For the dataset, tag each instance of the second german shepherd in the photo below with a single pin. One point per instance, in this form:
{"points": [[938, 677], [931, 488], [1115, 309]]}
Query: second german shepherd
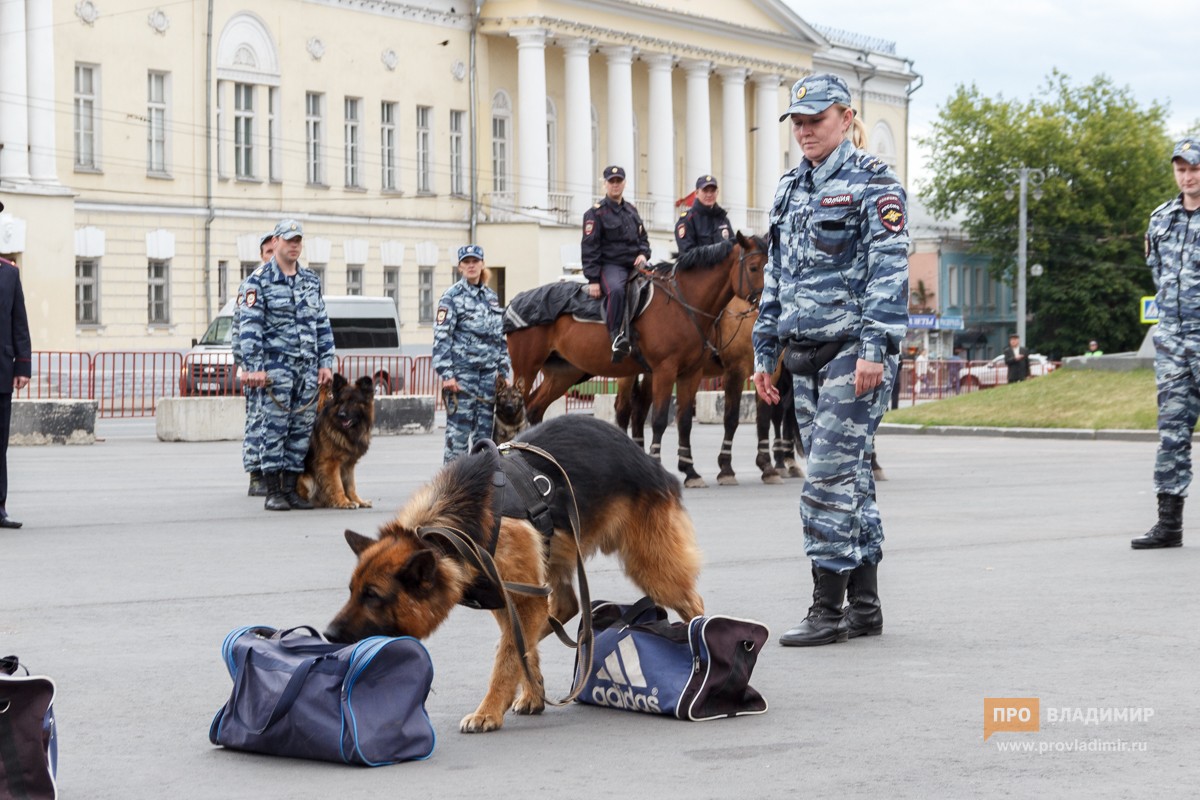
{"points": [[628, 505], [345, 414]]}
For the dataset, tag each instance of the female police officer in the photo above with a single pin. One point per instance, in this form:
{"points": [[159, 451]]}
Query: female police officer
{"points": [[468, 353], [835, 295]]}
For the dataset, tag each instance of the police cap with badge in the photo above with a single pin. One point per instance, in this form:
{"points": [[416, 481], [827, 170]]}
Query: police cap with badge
{"points": [[614, 173], [289, 229], [815, 93], [470, 251], [1188, 149]]}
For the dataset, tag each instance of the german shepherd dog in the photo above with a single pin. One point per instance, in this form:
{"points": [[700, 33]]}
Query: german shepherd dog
{"points": [[345, 414], [628, 505], [510, 410]]}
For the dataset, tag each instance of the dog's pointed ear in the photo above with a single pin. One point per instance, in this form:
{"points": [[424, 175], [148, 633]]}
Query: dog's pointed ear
{"points": [[358, 543], [419, 572], [366, 384], [500, 382], [339, 380], [519, 383]]}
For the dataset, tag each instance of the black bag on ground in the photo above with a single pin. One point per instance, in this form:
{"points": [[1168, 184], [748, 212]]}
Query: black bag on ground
{"points": [[28, 737]]}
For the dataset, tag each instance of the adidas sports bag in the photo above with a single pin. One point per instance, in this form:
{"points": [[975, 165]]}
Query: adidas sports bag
{"points": [[28, 736], [697, 670]]}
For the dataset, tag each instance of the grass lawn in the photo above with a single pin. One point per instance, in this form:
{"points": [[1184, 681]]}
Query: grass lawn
{"points": [[1066, 398]]}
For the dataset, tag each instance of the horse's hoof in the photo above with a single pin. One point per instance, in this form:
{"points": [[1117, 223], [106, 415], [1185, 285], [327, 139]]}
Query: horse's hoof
{"points": [[795, 472], [772, 480], [727, 480], [695, 483]]}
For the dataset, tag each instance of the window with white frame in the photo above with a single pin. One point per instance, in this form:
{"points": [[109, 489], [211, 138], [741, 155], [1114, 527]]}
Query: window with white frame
{"points": [[391, 285], [222, 167], [354, 280], [314, 134], [501, 117], [156, 122], [87, 291], [87, 92], [243, 130], [320, 270], [249, 267], [387, 146], [425, 294], [274, 142], [424, 123], [457, 182], [353, 153], [158, 292]]}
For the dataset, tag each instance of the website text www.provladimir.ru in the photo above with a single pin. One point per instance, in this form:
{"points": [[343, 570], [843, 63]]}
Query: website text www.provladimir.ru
{"points": [[1072, 746]]}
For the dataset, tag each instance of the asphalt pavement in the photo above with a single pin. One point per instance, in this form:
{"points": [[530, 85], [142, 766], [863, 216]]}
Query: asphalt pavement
{"points": [[1008, 574]]}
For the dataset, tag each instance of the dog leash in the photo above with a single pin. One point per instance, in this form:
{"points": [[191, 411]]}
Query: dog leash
{"points": [[451, 400], [286, 409]]}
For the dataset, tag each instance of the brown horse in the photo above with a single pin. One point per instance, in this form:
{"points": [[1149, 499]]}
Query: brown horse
{"points": [[673, 339]]}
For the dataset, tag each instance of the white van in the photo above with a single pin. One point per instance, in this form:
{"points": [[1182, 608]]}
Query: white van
{"points": [[366, 333]]}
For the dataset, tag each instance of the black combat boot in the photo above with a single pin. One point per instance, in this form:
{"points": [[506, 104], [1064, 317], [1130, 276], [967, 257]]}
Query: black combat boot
{"points": [[289, 490], [823, 625], [276, 498], [1168, 531], [257, 487], [620, 348], [863, 615]]}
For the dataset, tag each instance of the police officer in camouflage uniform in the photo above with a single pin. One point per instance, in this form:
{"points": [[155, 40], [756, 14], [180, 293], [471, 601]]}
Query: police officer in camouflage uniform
{"points": [[705, 222], [836, 283], [287, 351], [1173, 255], [252, 434], [469, 351], [614, 244]]}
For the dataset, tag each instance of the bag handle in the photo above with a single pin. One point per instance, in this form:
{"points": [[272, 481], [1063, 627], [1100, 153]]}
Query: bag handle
{"points": [[286, 699], [644, 606], [10, 664]]}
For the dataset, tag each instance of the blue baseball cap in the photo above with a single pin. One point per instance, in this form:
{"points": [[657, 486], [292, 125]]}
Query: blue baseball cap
{"points": [[470, 251], [289, 229], [612, 173], [266, 238], [705, 180], [814, 94], [1188, 149]]}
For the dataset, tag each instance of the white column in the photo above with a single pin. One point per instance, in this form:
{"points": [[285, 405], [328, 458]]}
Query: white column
{"points": [[620, 112], [662, 140], [733, 178], [768, 151], [40, 60], [14, 116], [578, 112], [699, 134], [532, 192]]}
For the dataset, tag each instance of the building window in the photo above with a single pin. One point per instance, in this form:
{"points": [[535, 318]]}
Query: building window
{"points": [[391, 285], [222, 168], [158, 292], [457, 183], [354, 280], [952, 287], [87, 92], [353, 155], [87, 291], [424, 183], [425, 294], [243, 130], [249, 267], [387, 151], [222, 283], [156, 122], [501, 117], [274, 144], [320, 270], [314, 137]]}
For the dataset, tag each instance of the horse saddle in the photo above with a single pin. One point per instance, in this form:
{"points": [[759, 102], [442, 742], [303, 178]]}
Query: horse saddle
{"points": [[639, 291]]}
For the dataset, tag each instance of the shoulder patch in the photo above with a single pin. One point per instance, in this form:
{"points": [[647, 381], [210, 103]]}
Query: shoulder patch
{"points": [[441, 315], [588, 227], [891, 212], [681, 231], [251, 298]]}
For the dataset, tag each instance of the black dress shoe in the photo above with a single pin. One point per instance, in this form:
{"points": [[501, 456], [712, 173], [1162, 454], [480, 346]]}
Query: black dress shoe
{"points": [[9, 522]]}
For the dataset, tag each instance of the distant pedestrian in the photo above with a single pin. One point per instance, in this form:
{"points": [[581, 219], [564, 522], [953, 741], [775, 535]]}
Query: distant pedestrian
{"points": [[1093, 349], [16, 365], [704, 222], [252, 433], [1016, 358], [1173, 255]]}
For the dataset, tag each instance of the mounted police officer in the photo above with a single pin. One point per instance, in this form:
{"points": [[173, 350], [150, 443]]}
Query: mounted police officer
{"points": [[287, 350], [705, 222], [1173, 255], [614, 244], [469, 351], [252, 433], [835, 293]]}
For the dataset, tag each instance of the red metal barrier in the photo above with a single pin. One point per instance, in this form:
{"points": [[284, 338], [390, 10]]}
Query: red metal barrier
{"points": [[128, 384], [58, 376], [390, 373]]}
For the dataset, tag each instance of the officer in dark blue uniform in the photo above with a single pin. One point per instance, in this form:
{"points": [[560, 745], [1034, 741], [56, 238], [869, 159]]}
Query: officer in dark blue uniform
{"points": [[16, 364], [614, 244], [705, 222]]}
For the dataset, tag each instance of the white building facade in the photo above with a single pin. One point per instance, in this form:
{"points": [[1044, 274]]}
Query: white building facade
{"points": [[139, 166]]}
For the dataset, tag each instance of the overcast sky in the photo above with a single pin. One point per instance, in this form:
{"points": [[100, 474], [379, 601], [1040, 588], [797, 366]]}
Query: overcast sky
{"points": [[1009, 48]]}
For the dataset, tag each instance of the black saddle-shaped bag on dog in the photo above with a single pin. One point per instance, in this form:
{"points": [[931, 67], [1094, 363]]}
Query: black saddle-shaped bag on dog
{"points": [[697, 670], [295, 694]]}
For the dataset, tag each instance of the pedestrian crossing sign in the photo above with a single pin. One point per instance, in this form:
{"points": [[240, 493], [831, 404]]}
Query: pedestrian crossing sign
{"points": [[1149, 311]]}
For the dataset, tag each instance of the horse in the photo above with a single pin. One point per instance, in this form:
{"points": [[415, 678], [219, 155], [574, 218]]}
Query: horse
{"points": [[672, 334]]}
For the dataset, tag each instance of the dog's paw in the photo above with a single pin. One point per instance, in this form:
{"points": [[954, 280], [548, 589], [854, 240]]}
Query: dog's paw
{"points": [[480, 723], [527, 704], [344, 502], [363, 503]]}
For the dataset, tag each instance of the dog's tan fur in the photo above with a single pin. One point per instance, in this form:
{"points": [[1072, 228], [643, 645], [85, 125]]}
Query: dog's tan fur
{"points": [[510, 417], [342, 435]]}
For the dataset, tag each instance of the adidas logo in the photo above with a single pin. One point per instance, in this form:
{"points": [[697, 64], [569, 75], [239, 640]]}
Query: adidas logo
{"points": [[623, 668]]}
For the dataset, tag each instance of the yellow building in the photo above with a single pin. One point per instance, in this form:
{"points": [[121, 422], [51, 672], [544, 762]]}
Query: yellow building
{"points": [[144, 151]]}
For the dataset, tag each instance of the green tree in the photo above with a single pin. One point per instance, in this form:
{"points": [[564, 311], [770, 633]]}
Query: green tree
{"points": [[1105, 159]]}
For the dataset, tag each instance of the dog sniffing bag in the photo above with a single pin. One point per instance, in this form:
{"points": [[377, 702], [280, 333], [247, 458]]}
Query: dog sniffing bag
{"points": [[28, 737], [697, 670], [295, 694]]}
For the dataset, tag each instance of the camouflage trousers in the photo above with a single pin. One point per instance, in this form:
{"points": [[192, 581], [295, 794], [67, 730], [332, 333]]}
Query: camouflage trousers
{"points": [[252, 435], [841, 522], [285, 428], [1177, 373], [469, 413]]}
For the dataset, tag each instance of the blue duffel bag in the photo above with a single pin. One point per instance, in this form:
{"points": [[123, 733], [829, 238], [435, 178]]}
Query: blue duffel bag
{"points": [[295, 694]]}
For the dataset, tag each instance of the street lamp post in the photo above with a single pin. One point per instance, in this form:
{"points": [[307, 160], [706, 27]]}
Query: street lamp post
{"points": [[1023, 178]]}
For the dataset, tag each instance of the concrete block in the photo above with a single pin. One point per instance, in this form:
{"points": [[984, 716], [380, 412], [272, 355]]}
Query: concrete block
{"points": [[397, 414], [200, 419], [53, 422]]}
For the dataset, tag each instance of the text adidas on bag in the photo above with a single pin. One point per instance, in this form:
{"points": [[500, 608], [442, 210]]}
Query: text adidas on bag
{"points": [[623, 667]]}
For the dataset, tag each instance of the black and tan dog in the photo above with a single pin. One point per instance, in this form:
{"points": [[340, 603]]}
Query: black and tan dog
{"points": [[629, 505], [510, 417], [345, 414]]}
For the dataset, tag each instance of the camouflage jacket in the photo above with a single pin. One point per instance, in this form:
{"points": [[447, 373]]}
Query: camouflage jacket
{"points": [[468, 334], [1173, 255], [838, 258], [701, 225], [281, 317], [613, 233]]}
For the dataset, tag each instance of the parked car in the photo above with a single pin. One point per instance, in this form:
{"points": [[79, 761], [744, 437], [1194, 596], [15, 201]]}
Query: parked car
{"points": [[995, 372]]}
